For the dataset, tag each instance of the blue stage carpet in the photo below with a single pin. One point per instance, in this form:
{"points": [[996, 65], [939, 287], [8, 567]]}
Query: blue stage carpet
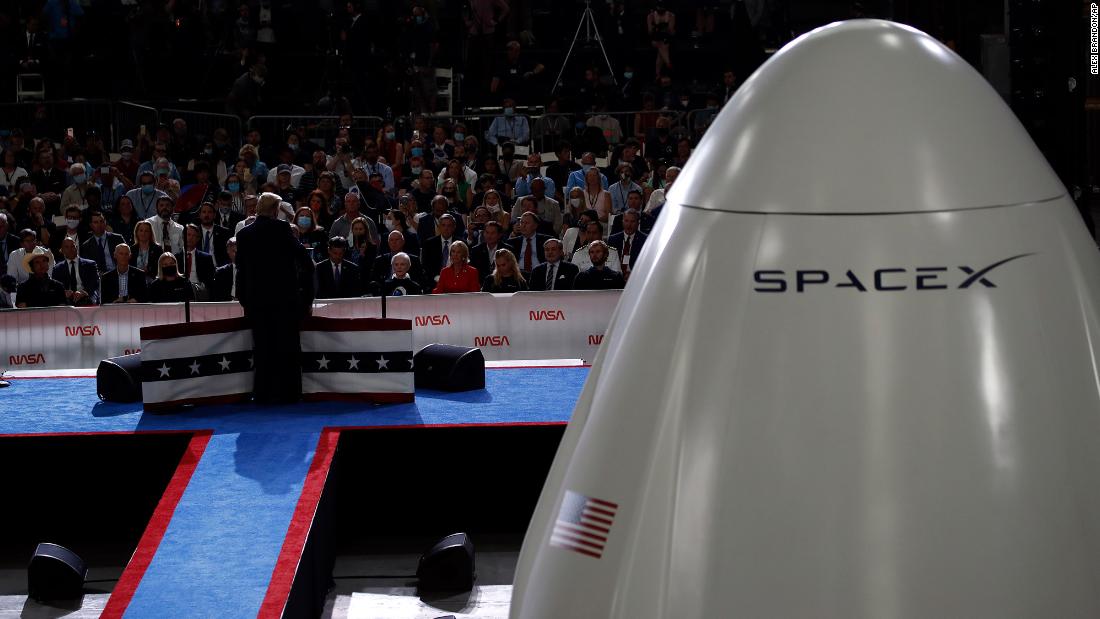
{"points": [[222, 543]]}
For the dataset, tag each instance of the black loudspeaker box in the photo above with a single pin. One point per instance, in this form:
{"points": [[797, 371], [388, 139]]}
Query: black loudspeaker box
{"points": [[448, 566], [118, 379], [449, 368], [55, 573]]}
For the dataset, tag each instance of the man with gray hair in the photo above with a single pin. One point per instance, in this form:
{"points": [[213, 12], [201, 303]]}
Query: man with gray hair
{"points": [[74, 194], [275, 288]]}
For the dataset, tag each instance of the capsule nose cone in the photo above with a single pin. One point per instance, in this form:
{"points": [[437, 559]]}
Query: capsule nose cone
{"points": [[865, 116]]}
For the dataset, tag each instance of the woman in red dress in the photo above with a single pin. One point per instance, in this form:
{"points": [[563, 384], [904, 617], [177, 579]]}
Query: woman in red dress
{"points": [[459, 276]]}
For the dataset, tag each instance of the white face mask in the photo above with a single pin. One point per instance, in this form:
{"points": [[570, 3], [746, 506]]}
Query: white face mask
{"points": [[574, 202], [390, 225]]}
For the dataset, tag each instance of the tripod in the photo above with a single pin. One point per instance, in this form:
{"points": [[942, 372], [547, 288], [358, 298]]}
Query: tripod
{"points": [[591, 33]]}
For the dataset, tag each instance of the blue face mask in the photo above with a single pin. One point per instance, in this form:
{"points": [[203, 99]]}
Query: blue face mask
{"points": [[234, 187], [417, 151], [79, 178], [585, 167], [305, 222], [460, 136], [390, 135], [148, 189], [508, 111], [420, 19], [628, 74]]}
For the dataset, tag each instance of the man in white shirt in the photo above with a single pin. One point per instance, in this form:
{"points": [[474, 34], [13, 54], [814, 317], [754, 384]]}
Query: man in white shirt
{"points": [[29, 241], [594, 232], [74, 194], [371, 165], [657, 198], [166, 232]]}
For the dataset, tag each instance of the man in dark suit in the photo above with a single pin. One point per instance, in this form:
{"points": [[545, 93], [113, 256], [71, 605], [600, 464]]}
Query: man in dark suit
{"points": [[528, 246], [483, 254], [599, 276], [628, 242], [124, 283], [555, 273], [194, 265], [32, 48], [78, 275], [8, 243], [383, 268], [275, 288], [338, 278], [226, 216], [212, 237], [100, 246], [225, 278], [435, 252], [426, 227]]}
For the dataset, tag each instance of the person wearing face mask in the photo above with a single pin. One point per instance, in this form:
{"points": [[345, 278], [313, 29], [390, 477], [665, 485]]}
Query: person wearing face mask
{"points": [[74, 193], [391, 149], [577, 177], [621, 189], [127, 164], [660, 144], [409, 173], [145, 195], [75, 228], [607, 124], [509, 126]]}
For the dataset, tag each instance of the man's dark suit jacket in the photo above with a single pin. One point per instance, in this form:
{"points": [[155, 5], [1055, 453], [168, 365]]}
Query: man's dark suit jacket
{"points": [[566, 273], [135, 281], [351, 284], [426, 228], [14, 243], [204, 264], [381, 271], [483, 260], [431, 256], [516, 244], [89, 276], [230, 222], [91, 250], [617, 240], [275, 288], [217, 249], [223, 283]]}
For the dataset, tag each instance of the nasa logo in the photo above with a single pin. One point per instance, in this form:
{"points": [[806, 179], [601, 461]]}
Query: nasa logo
{"points": [[434, 320], [32, 359], [545, 315], [491, 340], [131, 351], [82, 331], [595, 340], [883, 280]]}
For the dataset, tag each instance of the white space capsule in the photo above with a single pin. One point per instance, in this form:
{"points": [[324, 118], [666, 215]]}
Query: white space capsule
{"points": [[853, 374]]}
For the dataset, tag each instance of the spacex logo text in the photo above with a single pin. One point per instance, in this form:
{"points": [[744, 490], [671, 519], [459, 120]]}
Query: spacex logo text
{"points": [[546, 315], [883, 280], [435, 320]]}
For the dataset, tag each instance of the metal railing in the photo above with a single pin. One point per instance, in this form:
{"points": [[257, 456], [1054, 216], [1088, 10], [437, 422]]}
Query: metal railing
{"points": [[205, 123]]}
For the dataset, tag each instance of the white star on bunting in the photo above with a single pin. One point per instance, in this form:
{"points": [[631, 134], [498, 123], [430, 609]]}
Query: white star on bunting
{"points": [[322, 363], [353, 363], [194, 367], [383, 363], [163, 369], [225, 364]]}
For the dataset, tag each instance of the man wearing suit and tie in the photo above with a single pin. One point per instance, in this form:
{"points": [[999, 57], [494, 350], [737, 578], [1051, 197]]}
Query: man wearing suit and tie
{"points": [[212, 236], [338, 278], [426, 226], [435, 253], [555, 273], [100, 246], [528, 246], [166, 232], [225, 278], [195, 265], [482, 255], [628, 242], [124, 283], [78, 275]]}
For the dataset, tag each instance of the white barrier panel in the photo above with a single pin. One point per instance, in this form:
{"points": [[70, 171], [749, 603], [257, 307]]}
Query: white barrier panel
{"points": [[525, 325]]}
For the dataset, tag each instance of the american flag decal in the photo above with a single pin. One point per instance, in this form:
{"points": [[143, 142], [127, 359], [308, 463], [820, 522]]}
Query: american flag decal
{"points": [[583, 524]]}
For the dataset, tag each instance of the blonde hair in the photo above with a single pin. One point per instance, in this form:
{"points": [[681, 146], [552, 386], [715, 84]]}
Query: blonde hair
{"points": [[506, 253], [465, 249], [152, 237], [160, 264]]}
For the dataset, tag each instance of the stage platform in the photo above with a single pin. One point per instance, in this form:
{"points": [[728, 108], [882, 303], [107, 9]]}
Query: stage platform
{"points": [[227, 534]]}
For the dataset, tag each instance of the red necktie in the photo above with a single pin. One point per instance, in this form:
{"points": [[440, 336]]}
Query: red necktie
{"points": [[527, 255], [187, 274]]}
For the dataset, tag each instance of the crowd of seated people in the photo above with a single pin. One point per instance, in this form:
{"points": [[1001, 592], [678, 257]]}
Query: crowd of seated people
{"points": [[156, 222]]}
